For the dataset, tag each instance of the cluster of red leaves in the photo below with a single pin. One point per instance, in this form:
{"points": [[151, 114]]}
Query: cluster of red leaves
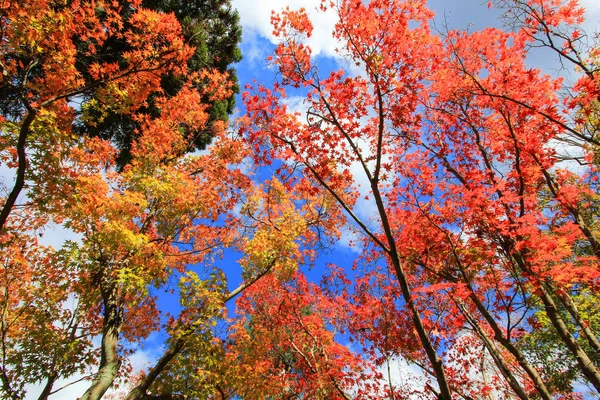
{"points": [[477, 223]]}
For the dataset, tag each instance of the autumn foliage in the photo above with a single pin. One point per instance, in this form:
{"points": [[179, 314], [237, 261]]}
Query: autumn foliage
{"points": [[468, 180], [482, 238], [81, 309]]}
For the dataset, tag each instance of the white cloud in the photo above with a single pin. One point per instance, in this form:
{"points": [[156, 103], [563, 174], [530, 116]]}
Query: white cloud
{"points": [[592, 13], [350, 240], [296, 104], [255, 17]]}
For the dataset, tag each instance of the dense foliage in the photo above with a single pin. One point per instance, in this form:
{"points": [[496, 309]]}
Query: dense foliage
{"points": [[443, 154], [480, 252], [211, 28]]}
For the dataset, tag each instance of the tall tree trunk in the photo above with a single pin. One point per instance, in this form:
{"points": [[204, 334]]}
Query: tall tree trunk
{"points": [[139, 392], [567, 301], [21, 168], [588, 368], [565, 298], [109, 361], [48, 387], [499, 336], [533, 374]]}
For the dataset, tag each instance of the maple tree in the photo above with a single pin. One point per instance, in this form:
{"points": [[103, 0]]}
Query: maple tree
{"points": [[212, 29], [81, 309], [287, 346], [481, 230], [478, 254]]}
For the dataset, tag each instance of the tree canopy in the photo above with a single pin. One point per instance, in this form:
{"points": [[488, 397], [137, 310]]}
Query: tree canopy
{"points": [[441, 152]]}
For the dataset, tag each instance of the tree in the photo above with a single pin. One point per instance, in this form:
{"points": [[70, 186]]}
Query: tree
{"points": [[277, 238], [40, 74], [480, 247], [158, 223], [286, 348], [478, 224], [210, 28]]}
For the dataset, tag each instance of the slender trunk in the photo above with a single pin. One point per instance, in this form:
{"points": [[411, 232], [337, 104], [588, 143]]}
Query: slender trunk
{"points": [[109, 360], [389, 376], [588, 368], [5, 382], [48, 387], [21, 168], [498, 334], [434, 359], [6, 387], [533, 374], [504, 341], [587, 232], [566, 300]]}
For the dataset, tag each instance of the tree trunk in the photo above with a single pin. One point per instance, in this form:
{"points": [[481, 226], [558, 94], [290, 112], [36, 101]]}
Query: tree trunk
{"points": [[139, 392], [497, 357], [109, 361], [21, 168], [48, 387], [588, 368], [533, 374]]}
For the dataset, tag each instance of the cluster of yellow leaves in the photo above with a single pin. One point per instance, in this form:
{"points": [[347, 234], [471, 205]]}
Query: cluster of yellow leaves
{"points": [[277, 228]]}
